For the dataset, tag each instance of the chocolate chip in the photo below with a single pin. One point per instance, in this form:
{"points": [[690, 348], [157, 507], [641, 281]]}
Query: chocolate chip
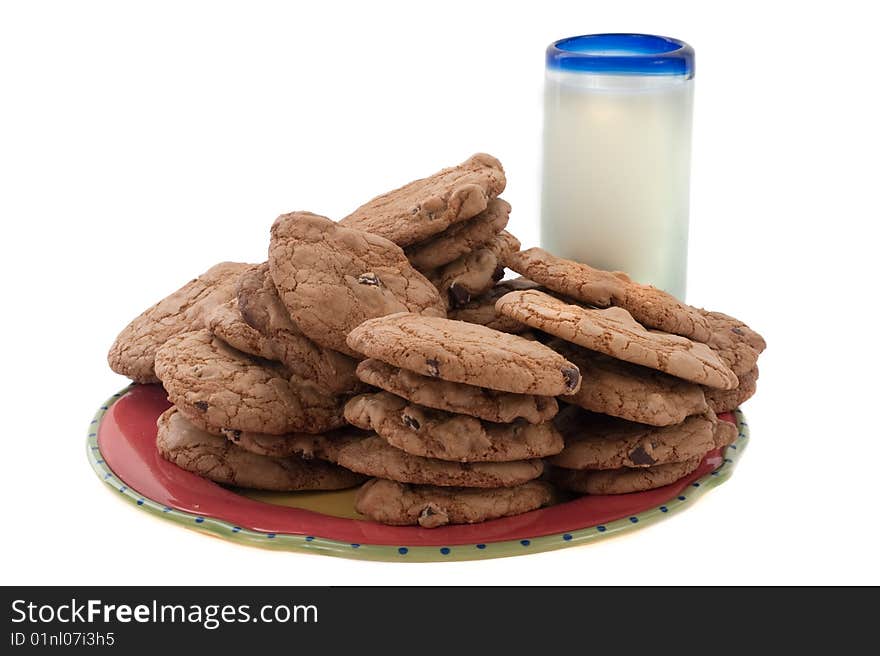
{"points": [[236, 435], [369, 279], [458, 295], [738, 331], [572, 377], [498, 273], [639, 456], [410, 422], [433, 367], [201, 405], [432, 516]]}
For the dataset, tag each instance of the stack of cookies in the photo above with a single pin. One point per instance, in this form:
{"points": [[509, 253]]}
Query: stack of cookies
{"points": [[254, 357], [250, 397], [646, 412], [451, 226], [462, 421], [387, 345]]}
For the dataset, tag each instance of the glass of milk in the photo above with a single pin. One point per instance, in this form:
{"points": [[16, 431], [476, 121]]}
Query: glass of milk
{"points": [[616, 160]]}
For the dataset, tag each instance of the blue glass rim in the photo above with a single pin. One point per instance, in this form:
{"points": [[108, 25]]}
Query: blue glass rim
{"points": [[622, 54]]}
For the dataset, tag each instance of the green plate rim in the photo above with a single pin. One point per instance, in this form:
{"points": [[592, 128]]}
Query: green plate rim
{"points": [[403, 553]]}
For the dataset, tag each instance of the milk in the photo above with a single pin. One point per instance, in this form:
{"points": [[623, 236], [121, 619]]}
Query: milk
{"points": [[616, 171]]}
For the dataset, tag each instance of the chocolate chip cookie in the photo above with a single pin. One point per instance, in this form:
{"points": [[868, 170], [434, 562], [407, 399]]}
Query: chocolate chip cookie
{"points": [[261, 309], [323, 446], [736, 344], [727, 400], [428, 206], [134, 350], [725, 433], [614, 332], [217, 387], [373, 456], [217, 459], [476, 272], [331, 278], [460, 238], [225, 323], [429, 506], [259, 304], [618, 388], [466, 353], [482, 310], [594, 441], [490, 405], [431, 433], [621, 481], [648, 305]]}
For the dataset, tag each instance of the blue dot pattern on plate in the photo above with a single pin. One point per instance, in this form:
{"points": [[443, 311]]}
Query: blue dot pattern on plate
{"points": [[600, 528], [664, 509], [682, 498], [270, 535], [525, 543], [634, 520], [567, 537], [403, 551], [199, 520], [481, 546], [445, 550], [310, 538]]}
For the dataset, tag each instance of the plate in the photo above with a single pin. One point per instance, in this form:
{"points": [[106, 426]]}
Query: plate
{"points": [[121, 448]]}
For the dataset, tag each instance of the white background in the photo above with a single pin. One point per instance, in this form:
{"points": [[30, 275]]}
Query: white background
{"points": [[140, 143]]}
